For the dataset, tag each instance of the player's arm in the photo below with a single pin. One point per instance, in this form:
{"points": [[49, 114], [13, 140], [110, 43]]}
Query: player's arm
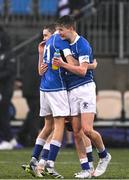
{"points": [[67, 56], [93, 65], [41, 66], [71, 60], [83, 61], [79, 70]]}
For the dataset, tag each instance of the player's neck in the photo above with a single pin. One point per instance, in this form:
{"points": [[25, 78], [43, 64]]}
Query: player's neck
{"points": [[73, 36]]}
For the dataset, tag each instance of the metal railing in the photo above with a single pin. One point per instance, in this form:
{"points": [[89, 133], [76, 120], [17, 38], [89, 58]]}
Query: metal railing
{"points": [[108, 29]]}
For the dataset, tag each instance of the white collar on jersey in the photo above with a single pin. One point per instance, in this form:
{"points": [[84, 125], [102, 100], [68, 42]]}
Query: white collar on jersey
{"points": [[76, 39], [56, 32]]}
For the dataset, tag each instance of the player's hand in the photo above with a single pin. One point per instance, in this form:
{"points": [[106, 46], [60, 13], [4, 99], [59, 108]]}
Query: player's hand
{"points": [[58, 62], [41, 46], [95, 63], [43, 68]]}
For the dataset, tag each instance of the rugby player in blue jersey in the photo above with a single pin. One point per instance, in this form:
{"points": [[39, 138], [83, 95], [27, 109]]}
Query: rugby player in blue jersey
{"points": [[48, 117], [81, 89], [53, 94]]}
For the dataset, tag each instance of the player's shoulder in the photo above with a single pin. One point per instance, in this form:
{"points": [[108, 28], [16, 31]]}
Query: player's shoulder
{"points": [[56, 36], [83, 45], [83, 40]]}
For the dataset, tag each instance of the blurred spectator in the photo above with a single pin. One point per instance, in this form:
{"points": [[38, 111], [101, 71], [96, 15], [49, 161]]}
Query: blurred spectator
{"points": [[63, 8], [66, 7], [7, 77], [30, 85]]}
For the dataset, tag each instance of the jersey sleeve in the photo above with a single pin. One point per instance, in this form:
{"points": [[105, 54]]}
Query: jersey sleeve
{"points": [[84, 51]]}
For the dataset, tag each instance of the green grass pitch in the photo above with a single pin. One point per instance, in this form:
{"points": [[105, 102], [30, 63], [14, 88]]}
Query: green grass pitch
{"points": [[67, 164]]}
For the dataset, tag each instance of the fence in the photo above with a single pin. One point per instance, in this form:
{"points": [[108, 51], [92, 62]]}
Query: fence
{"points": [[106, 26], [107, 29]]}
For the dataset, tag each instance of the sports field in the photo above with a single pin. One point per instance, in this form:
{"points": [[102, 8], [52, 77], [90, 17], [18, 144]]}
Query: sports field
{"points": [[67, 164]]}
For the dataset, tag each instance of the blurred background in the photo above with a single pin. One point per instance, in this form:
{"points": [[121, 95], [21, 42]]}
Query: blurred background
{"points": [[104, 23]]}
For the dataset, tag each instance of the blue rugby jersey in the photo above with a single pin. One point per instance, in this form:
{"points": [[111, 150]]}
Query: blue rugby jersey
{"points": [[54, 80], [82, 51]]}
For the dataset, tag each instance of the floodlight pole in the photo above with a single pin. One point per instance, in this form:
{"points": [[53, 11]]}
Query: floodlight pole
{"points": [[121, 59]]}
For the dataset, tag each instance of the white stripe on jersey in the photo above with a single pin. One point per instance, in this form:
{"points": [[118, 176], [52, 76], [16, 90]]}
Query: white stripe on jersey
{"points": [[67, 52], [84, 58]]}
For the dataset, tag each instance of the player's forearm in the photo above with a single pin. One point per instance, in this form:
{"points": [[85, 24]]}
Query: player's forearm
{"points": [[40, 62], [91, 66], [79, 70], [71, 60]]}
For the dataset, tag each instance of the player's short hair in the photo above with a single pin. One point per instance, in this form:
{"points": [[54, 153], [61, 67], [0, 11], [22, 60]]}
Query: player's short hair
{"points": [[50, 27], [66, 21]]}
